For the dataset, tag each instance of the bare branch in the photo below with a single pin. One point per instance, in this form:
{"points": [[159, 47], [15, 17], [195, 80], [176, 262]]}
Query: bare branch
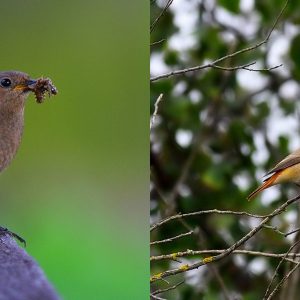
{"points": [[229, 250], [246, 67], [278, 266], [211, 65], [155, 110], [291, 232], [158, 42], [275, 229], [183, 176], [160, 291], [174, 256], [202, 212], [285, 278], [160, 15], [263, 69], [156, 297], [172, 238]]}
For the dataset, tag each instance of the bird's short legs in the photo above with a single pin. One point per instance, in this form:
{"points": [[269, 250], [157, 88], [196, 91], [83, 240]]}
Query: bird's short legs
{"points": [[4, 230]]}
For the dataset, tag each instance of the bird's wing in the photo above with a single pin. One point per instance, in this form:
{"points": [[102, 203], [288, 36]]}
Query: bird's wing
{"points": [[289, 161]]}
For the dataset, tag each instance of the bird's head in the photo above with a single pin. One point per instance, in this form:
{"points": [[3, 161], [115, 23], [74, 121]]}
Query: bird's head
{"points": [[14, 88]]}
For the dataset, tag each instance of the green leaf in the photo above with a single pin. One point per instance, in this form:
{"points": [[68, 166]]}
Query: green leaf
{"points": [[231, 5], [213, 178]]}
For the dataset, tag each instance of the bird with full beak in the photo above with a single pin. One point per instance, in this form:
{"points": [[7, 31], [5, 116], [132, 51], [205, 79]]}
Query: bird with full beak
{"points": [[287, 170], [15, 87]]}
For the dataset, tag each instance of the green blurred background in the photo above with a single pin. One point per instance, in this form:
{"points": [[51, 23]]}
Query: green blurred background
{"points": [[77, 188]]}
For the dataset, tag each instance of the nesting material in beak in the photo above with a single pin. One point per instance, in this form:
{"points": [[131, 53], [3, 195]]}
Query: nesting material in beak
{"points": [[41, 87]]}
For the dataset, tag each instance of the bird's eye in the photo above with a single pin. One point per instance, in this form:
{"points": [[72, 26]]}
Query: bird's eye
{"points": [[5, 82]]}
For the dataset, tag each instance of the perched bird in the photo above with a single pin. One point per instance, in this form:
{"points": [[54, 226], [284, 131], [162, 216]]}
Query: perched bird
{"points": [[287, 170], [14, 89], [13, 93]]}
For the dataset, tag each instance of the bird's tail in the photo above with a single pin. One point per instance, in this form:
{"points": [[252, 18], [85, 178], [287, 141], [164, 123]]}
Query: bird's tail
{"points": [[269, 182]]}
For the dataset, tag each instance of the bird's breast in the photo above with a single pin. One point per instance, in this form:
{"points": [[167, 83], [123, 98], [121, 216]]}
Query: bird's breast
{"points": [[11, 128], [290, 174]]}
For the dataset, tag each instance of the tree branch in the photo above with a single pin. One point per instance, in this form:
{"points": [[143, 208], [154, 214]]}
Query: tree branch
{"points": [[278, 266], [172, 238], [174, 256], [155, 110], [160, 291], [160, 15], [20, 276], [202, 212], [214, 63], [285, 278], [229, 250], [157, 42]]}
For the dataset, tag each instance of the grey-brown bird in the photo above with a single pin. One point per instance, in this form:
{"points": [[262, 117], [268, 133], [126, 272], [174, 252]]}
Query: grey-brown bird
{"points": [[287, 170], [14, 89]]}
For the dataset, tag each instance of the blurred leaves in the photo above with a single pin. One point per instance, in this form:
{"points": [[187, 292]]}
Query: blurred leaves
{"points": [[230, 5], [294, 54]]}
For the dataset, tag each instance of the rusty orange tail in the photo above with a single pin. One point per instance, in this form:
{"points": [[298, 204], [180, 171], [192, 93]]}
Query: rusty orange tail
{"points": [[269, 182]]}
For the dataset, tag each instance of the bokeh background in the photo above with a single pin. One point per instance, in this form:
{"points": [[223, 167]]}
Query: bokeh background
{"points": [[218, 132], [77, 189]]}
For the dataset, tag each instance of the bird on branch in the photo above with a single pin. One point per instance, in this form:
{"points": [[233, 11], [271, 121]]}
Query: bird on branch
{"points": [[15, 87], [287, 170]]}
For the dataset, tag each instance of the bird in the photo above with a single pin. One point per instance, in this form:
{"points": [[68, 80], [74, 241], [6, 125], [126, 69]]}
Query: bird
{"points": [[287, 170], [15, 87], [14, 90]]}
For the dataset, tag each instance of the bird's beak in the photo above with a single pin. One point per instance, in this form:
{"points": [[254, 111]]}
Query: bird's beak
{"points": [[31, 82], [25, 87]]}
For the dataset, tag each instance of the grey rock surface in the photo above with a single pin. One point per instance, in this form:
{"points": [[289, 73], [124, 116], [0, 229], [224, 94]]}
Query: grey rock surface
{"points": [[21, 278]]}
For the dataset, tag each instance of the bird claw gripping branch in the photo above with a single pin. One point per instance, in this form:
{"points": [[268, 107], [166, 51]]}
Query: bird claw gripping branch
{"points": [[4, 230], [42, 87]]}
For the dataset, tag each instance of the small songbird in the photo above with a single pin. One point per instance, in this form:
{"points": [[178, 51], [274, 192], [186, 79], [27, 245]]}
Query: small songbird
{"points": [[287, 170], [14, 89]]}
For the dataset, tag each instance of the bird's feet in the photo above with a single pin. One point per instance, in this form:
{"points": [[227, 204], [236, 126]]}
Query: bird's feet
{"points": [[4, 230]]}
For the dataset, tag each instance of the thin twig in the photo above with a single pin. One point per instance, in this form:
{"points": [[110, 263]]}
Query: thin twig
{"points": [[211, 65], [156, 297], [285, 278], [160, 291], [291, 232], [183, 174], [155, 110], [289, 289], [245, 67], [174, 256], [275, 229], [278, 266], [228, 251], [263, 69], [158, 42], [172, 238], [202, 212], [160, 15]]}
